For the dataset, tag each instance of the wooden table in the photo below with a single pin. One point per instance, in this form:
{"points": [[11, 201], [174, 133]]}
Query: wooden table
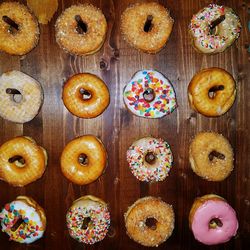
{"points": [[54, 127]]}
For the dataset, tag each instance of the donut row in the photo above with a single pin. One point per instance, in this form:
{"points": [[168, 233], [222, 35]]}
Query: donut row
{"points": [[84, 159], [81, 29], [148, 94], [149, 221]]}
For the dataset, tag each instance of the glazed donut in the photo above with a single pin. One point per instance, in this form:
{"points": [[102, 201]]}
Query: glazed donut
{"points": [[211, 156], [83, 159], [214, 28], [212, 220], [21, 97], [23, 220], [22, 161], [146, 26], [88, 219], [149, 221], [212, 92], [149, 94], [81, 29], [19, 30], [85, 95], [150, 159]]}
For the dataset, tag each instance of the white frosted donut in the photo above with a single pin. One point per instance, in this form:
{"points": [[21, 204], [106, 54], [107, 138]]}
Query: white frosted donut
{"points": [[21, 97], [88, 219], [149, 94], [214, 28], [23, 220], [150, 159]]}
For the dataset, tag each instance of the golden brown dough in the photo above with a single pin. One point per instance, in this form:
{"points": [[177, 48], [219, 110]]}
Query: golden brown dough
{"points": [[23, 36], [22, 161], [83, 159], [212, 92], [81, 29], [211, 156], [85, 95], [146, 26]]}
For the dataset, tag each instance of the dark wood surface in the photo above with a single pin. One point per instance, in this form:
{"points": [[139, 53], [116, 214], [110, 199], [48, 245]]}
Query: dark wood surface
{"points": [[55, 126]]}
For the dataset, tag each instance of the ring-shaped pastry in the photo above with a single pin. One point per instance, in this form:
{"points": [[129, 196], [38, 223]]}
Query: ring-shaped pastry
{"points": [[83, 159]]}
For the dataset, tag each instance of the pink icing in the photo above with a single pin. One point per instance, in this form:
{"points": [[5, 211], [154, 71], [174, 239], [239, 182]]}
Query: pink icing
{"points": [[211, 210]]}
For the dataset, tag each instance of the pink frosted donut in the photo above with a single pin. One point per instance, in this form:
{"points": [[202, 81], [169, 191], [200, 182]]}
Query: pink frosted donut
{"points": [[212, 220]]}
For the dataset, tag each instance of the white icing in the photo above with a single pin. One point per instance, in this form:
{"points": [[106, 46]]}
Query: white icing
{"points": [[28, 212], [144, 171], [164, 102]]}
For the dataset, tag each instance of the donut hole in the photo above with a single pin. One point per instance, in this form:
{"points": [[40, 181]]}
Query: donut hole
{"points": [[83, 159], [214, 25], [86, 223], [214, 31], [150, 158], [85, 94], [148, 24], [151, 223], [215, 154], [13, 26], [81, 27], [214, 223], [17, 224], [212, 92], [15, 94], [18, 160], [149, 95]]}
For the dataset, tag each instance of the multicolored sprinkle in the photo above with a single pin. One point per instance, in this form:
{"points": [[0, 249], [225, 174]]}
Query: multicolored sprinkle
{"points": [[29, 231], [136, 159], [229, 28], [164, 102], [97, 227]]}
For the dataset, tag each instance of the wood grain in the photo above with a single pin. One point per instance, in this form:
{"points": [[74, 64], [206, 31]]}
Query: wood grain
{"points": [[55, 126]]}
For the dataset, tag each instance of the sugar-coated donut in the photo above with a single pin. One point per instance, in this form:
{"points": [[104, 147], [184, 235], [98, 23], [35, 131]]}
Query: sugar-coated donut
{"points": [[149, 221], [85, 95], [214, 28], [212, 220], [146, 26], [149, 94], [150, 159], [19, 30], [212, 92], [21, 97], [22, 161], [23, 220], [81, 29], [83, 159], [211, 156], [88, 219]]}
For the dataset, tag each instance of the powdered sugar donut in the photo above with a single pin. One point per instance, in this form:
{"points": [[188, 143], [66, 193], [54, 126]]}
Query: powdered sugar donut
{"points": [[88, 219], [149, 94], [214, 28], [21, 96], [150, 159]]}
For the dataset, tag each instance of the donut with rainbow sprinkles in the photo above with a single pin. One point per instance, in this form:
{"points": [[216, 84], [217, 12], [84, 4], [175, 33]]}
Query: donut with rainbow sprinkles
{"points": [[214, 28]]}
